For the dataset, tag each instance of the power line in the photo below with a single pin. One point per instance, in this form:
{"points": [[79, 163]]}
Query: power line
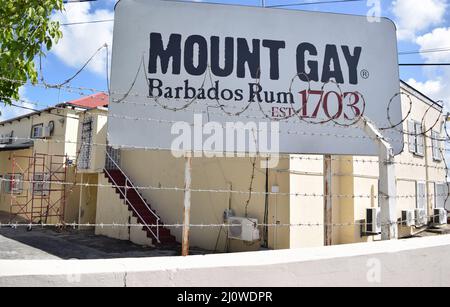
{"points": [[424, 64], [86, 22], [267, 6], [443, 49], [77, 1], [312, 3]]}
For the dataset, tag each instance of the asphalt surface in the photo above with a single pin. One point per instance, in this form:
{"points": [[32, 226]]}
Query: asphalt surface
{"points": [[69, 243]]}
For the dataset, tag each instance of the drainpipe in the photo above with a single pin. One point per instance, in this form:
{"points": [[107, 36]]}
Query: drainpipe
{"points": [[427, 176], [327, 199], [80, 201]]}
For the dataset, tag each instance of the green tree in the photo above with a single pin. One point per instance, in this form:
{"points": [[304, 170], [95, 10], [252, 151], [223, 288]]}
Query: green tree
{"points": [[26, 32]]}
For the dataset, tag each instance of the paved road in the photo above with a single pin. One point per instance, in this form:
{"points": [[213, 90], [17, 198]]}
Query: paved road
{"points": [[69, 244]]}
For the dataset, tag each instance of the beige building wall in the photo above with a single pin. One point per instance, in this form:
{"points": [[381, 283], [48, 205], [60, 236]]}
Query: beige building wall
{"points": [[112, 210], [80, 204]]}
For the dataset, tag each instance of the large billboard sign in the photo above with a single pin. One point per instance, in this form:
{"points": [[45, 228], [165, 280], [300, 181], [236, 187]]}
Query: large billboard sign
{"points": [[303, 78]]}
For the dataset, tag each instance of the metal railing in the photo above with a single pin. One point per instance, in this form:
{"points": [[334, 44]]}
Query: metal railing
{"points": [[129, 185]]}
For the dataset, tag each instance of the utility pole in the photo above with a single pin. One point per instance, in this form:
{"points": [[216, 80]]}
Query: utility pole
{"points": [[263, 3], [327, 201], [187, 204]]}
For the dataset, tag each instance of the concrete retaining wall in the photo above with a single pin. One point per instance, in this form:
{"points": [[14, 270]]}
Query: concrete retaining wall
{"points": [[413, 262]]}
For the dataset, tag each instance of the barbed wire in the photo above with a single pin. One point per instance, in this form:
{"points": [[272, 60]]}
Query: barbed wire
{"points": [[287, 132], [295, 117], [221, 106], [216, 225], [224, 126], [220, 191], [224, 154]]}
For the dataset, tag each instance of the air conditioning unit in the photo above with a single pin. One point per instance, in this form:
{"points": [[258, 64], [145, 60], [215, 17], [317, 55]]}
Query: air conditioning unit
{"points": [[373, 220], [440, 217], [408, 218], [243, 229], [421, 217], [46, 132]]}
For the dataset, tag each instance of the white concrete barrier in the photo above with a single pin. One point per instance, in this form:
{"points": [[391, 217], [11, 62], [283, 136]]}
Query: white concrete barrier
{"points": [[413, 262]]}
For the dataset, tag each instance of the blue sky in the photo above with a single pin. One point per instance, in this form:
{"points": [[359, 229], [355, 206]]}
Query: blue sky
{"points": [[422, 25]]}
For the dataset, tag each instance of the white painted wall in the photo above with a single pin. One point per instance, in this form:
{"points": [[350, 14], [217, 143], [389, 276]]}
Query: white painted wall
{"points": [[413, 262]]}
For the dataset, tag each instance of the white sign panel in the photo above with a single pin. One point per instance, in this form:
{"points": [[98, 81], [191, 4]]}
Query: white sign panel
{"points": [[301, 77]]}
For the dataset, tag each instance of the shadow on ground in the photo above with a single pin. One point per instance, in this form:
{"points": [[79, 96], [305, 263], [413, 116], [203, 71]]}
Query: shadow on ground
{"points": [[69, 243]]}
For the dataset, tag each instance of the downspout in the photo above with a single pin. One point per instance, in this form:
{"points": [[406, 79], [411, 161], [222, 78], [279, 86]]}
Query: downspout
{"points": [[266, 209], [81, 199], [427, 176]]}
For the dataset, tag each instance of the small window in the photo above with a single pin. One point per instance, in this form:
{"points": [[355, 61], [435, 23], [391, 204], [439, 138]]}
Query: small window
{"points": [[421, 197], [436, 145], [416, 139], [13, 183], [41, 184], [37, 131], [440, 195]]}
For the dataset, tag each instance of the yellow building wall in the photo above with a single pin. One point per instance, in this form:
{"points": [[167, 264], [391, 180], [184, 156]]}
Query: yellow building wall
{"points": [[64, 141], [99, 132], [306, 210], [409, 169], [82, 199], [298, 208], [161, 169], [111, 210]]}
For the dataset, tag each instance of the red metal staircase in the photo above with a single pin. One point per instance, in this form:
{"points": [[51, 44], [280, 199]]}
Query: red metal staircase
{"points": [[138, 205]]}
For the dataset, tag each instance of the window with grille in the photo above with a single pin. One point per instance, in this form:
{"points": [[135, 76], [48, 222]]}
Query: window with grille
{"points": [[436, 146], [86, 144], [41, 184], [416, 139], [13, 183]]}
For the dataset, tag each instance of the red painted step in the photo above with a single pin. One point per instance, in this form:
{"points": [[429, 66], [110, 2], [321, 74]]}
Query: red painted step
{"points": [[140, 208]]}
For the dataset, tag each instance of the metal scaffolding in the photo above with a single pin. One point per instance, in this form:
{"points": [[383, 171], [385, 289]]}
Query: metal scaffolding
{"points": [[36, 188]]}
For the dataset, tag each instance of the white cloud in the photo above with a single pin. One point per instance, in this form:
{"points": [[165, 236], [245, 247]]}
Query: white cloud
{"points": [[81, 41], [437, 39], [8, 112], [437, 87], [414, 16]]}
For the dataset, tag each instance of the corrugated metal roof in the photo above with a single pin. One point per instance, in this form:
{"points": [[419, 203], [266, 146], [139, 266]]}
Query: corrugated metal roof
{"points": [[91, 102], [16, 146]]}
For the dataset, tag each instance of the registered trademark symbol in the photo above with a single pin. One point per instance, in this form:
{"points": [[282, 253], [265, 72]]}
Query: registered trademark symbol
{"points": [[365, 74]]}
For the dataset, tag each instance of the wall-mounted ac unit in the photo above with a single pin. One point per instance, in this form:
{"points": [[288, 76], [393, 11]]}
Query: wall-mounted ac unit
{"points": [[421, 217], [244, 229], [47, 132], [7, 138], [440, 216], [373, 221], [408, 218]]}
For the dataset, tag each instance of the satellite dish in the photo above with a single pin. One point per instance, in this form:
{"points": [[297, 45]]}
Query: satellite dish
{"points": [[51, 127]]}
